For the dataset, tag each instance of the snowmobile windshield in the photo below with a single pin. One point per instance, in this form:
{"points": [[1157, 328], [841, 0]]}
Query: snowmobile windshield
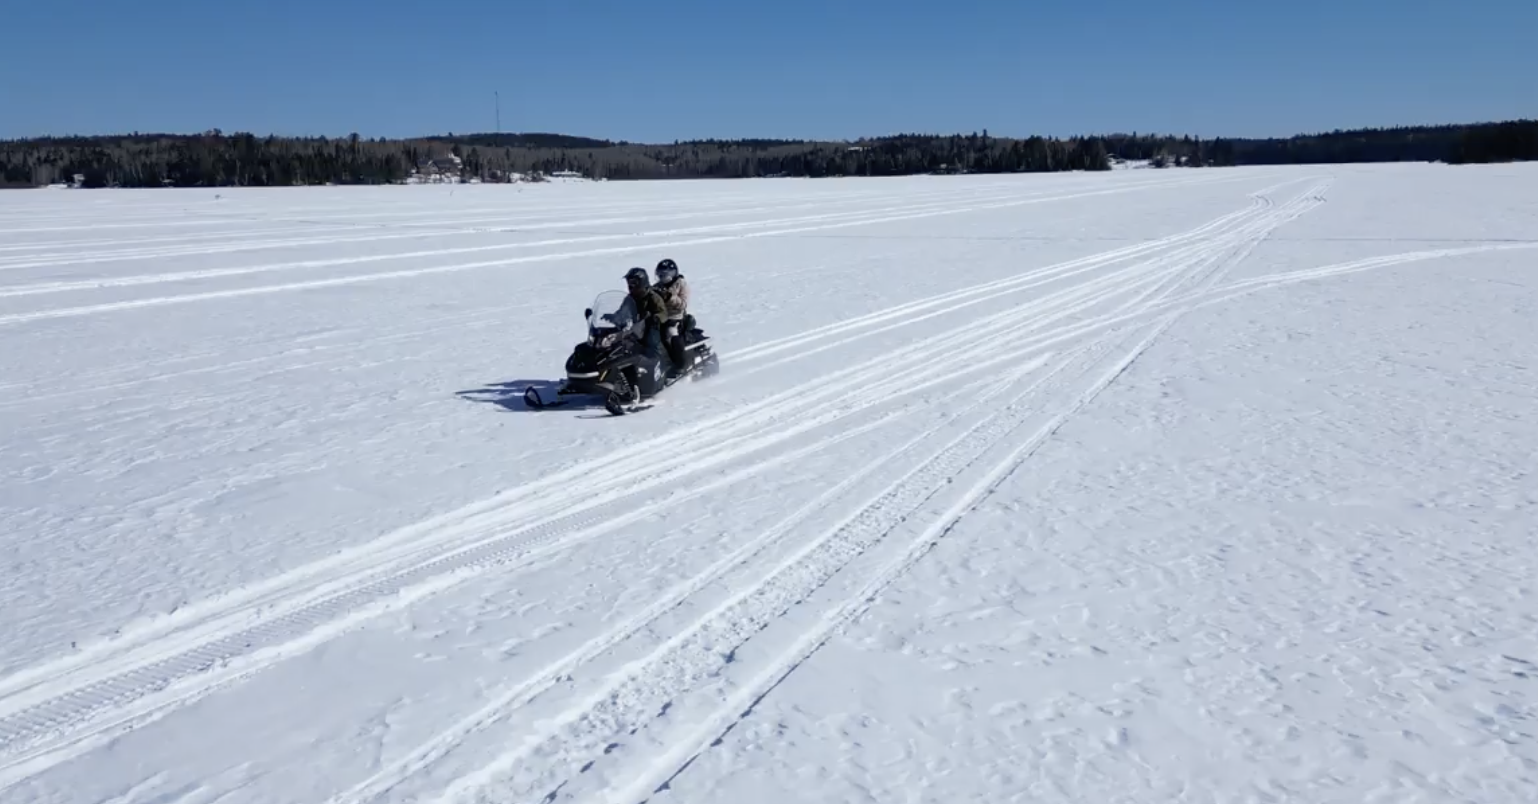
{"points": [[612, 309]]}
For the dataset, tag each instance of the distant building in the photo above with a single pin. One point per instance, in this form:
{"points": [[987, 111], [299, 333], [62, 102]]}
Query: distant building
{"points": [[439, 169]]}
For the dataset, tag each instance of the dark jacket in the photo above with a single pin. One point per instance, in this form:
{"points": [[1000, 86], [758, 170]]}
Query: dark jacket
{"points": [[651, 308]]}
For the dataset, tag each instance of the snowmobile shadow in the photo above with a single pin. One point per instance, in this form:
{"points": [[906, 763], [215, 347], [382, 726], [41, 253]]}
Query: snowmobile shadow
{"points": [[509, 395]]}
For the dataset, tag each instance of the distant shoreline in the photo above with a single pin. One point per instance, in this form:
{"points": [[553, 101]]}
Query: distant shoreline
{"points": [[216, 159]]}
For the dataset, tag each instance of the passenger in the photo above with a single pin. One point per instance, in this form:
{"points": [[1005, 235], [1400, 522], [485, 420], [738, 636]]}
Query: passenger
{"points": [[675, 292]]}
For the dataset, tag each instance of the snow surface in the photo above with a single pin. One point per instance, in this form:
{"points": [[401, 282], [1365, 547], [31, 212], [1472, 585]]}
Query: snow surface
{"points": [[1155, 486]]}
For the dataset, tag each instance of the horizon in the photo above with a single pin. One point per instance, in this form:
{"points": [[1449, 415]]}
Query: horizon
{"points": [[803, 70], [789, 141]]}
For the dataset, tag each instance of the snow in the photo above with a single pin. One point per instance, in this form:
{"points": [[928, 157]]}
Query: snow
{"points": [[1199, 485]]}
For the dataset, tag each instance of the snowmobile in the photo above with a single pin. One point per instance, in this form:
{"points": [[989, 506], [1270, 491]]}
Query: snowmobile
{"points": [[597, 366]]}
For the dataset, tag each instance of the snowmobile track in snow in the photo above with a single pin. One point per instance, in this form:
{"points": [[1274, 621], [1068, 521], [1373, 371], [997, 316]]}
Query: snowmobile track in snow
{"points": [[350, 233], [594, 732], [526, 690], [598, 729], [52, 712], [121, 256], [659, 772], [45, 721], [812, 224]]}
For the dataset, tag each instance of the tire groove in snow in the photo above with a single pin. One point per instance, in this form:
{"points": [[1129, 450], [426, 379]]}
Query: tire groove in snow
{"points": [[42, 713], [596, 728], [703, 433], [371, 215], [76, 720], [590, 732], [311, 622], [150, 279], [107, 307], [510, 699], [661, 771], [709, 431], [740, 705], [445, 229], [211, 663], [1200, 240], [178, 661], [345, 217], [819, 336]]}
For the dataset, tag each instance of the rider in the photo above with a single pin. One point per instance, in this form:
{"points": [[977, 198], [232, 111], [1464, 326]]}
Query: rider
{"points": [[652, 313], [675, 292]]}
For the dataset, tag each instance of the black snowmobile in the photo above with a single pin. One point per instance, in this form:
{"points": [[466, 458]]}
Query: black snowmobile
{"points": [[598, 366]]}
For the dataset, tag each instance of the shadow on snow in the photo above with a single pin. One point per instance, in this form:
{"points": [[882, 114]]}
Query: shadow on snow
{"points": [[509, 396]]}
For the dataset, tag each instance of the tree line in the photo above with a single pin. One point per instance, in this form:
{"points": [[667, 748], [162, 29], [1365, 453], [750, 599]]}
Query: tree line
{"points": [[243, 159]]}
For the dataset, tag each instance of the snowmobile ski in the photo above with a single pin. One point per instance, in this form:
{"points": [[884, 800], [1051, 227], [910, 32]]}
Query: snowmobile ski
{"points": [[623, 410], [533, 401]]}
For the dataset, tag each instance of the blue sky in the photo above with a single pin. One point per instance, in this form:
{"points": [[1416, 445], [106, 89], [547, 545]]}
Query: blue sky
{"points": [[663, 70]]}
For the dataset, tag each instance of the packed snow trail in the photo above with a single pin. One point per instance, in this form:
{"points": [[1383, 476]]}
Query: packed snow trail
{"points": [[669, 240], [660, 580], [324, 607], [654, 688]]}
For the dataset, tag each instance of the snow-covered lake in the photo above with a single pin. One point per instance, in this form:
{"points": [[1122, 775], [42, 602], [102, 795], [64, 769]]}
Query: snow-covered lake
{"points": [[1154, 486]]}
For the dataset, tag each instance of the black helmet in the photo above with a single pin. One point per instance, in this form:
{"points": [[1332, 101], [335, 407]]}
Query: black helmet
{"points": [[667, 270], [637, 276]]}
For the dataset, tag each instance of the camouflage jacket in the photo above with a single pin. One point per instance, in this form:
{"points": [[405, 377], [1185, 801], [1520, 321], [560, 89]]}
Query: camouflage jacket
{"points": [[650, 309]]}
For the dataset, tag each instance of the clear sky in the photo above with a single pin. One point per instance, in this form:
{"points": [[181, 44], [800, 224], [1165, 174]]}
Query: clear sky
{"points": [[680, 69]]}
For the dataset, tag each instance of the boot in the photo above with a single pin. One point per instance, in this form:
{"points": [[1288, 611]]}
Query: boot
{"points": [[632, 384]]}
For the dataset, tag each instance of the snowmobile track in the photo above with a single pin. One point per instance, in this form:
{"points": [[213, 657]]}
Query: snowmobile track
{"points": [[815, 223], [659, 772], [45, 722], [587, 734], [1199, 240], [182, 276], [595, 732], [419, 231], [516, 696], [51, 712]]}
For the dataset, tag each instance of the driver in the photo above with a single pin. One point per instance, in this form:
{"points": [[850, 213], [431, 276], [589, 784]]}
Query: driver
{"points": [[651, 314], [650, 309]]}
